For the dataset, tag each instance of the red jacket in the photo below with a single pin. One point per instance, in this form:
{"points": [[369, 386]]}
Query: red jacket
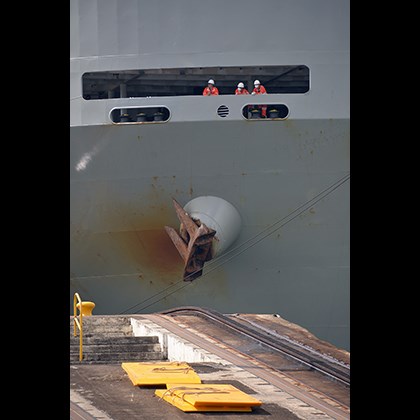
{"points": [[260, 91], [213, 91], [241, 92]]}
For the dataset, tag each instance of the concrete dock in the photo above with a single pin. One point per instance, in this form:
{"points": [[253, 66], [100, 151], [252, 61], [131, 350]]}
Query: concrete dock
{"points": [[293, 373]]}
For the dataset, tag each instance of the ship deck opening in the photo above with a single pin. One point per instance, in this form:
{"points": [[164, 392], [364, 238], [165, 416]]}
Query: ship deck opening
{"points": [[151, 114], [192, 80]]}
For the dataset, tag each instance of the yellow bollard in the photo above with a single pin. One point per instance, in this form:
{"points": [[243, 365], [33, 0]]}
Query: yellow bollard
{"points": [[87, 308]]}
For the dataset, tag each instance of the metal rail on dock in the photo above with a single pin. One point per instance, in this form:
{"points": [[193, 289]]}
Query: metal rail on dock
{"points": [[312, 360]]}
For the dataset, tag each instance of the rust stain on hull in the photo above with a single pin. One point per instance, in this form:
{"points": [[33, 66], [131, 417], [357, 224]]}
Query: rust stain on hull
{"points": [[137, 241], [151, 252], [156, 251]]}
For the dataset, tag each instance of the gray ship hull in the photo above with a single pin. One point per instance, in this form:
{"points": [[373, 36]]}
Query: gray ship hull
{"points": [[121, 256]]}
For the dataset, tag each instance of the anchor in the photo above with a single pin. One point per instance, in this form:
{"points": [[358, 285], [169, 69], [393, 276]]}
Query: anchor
{"points": [[193, 242]]}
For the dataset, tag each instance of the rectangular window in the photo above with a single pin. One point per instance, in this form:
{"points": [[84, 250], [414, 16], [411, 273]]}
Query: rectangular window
{"points": [[193, 80]]}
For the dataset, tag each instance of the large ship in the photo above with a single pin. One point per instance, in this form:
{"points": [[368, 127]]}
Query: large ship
{"points": [[146, 147]]}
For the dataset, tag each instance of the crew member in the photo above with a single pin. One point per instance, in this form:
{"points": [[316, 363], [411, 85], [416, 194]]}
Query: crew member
{"points": [[259, 89], [240, 90], [210, 89]]}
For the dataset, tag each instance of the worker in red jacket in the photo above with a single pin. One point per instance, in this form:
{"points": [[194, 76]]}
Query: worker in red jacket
{"points": [[259, 89], [240, 90], [210, 89]]}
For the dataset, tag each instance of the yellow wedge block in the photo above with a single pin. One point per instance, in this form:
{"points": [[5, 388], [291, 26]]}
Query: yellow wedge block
{"points": [[161, 373], [207, 397]]}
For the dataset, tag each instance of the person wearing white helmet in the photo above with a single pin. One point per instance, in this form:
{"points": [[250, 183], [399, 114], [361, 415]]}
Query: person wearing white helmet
{"points": [[240, 90], [210, 89], [259, 89]]}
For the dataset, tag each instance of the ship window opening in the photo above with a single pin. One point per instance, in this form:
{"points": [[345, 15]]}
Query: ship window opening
{"points": [[140, 115], [265, 112], [192, 80]]}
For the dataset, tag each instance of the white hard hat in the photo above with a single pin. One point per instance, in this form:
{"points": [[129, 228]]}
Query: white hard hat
{"points": [[257, 82], [211, 81], [241, 85]]}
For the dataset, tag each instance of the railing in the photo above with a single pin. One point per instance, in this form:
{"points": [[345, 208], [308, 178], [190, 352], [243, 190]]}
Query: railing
{"points": [[78, 324]]}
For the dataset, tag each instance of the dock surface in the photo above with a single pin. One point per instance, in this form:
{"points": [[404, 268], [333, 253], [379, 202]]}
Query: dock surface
{"points": [[293, 373]]}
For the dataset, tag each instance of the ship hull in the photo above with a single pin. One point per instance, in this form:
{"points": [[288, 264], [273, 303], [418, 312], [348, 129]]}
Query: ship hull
{"points": [[123, 179]]}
